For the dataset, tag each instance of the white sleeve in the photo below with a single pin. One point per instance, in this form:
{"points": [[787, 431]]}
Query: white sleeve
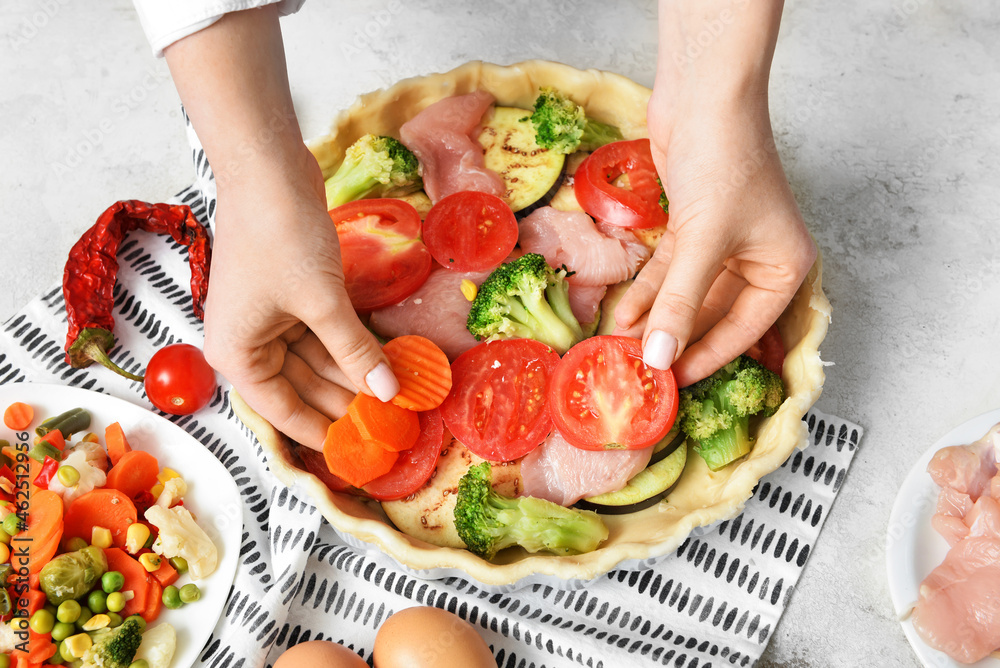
{"points": [[166, 21]]}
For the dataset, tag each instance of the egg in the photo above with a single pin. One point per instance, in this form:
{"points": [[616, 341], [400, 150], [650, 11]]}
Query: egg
{"points": [[425, 637], [319, 654]]}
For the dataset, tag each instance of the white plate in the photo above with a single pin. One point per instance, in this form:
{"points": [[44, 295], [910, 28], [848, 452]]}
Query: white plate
{"points": [[212, 495], [914, 549]]}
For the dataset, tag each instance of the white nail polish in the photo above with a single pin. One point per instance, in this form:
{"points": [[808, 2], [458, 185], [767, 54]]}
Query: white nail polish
{"points": [[659, 350], [382, 382]]}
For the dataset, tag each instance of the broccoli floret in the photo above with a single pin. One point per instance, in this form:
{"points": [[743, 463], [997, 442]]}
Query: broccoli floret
{"points": [[716, 411], [373, 167], [487, 522], [562, 125], [525, 299], [114, 648]]}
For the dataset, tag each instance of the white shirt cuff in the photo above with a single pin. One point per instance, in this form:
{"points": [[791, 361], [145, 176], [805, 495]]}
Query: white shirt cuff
{"points": [[166, 21]]}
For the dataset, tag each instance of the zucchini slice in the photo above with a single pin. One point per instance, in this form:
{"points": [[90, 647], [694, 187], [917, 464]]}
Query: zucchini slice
{"points": [[509, 149]]}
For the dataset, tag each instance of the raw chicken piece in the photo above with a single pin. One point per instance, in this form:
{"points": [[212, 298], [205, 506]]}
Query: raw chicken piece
{"points": [[441, 136], [586, 302], [572, 238], [564, 474], [949, 520], [983, 519], [967, 468], [437, 310], [958, 612], [952, 529]]}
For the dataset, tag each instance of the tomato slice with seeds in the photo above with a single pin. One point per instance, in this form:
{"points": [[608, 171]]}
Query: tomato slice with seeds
{"points": [[470, 231], [635, 207], [384, 259], [603, 397], [497, 406]]}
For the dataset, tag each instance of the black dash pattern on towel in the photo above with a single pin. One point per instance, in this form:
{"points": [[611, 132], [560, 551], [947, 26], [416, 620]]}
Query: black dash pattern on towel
{"points": [[715, 602]]}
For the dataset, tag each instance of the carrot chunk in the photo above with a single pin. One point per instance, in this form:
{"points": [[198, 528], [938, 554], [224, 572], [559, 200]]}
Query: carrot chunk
{"points": [[18, 416], [108, 508], [44, 530], [134, 472], [114, 438], [137, 580], [350, 457], [423, 372], [393, 428]]}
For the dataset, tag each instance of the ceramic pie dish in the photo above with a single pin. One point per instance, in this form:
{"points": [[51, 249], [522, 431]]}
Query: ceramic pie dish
{"points": [[701, 497]]}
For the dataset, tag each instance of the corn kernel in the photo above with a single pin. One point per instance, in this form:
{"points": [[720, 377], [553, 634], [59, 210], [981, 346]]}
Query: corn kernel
{"points": [[79, 644], [136, 537], [128, 595], [150, 561], [19, 624], [91, 437], [469, 289], [96, 622], [4, 553], [101, 537], [166, 474], [157, 490]]}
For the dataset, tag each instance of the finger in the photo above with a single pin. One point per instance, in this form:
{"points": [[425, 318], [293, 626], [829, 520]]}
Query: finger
{"points": [[752, 313], [353, 347], [328, 398], [318, 358], [635, 330], [641, 295], [690, 276], [718, 302]]}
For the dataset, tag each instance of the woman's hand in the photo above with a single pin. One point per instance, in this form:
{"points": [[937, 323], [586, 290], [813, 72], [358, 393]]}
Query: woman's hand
{"points": [[736, 249]]}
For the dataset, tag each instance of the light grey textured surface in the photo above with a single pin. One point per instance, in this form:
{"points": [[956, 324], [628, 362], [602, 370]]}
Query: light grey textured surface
{"points": [[887, 121]]}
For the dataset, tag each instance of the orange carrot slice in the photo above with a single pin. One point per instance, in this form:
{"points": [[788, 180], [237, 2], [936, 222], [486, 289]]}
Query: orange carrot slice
{"points": [[18, 416], [393, 428], [134, 472], [137, 580], [423, 372], [114, 438], [166, 574], [44, 529], [351, 457], [108, 508], [154, 601]]}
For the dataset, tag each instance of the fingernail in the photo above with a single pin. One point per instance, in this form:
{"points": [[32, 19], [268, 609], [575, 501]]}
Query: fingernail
{"points": [[659, 350], [382, 383]]}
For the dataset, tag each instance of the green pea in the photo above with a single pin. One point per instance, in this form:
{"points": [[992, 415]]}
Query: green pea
{"points": [[112, 581], [116, 619], [42, 622], [62, 630], [4, 537], [68, 475], [51, 608], [68, 612], [172, 597], [139, 663], [12, 525], [190, 593], [65, 652], [4, 660], [97, 601], [180, 565], [56, 659], [142, 622], [75, 544], [85, 614], [115, 601]]}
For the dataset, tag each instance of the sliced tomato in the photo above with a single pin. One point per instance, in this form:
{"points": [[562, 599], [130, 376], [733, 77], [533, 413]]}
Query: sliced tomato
{"points": [[769, 350], [603, 397], [497, 407], [638, 205], [414, 466], [384, 259], [470, 231]]}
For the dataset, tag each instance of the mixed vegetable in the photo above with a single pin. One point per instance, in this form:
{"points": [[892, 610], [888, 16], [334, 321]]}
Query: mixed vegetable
{"points": [[536, 371], [92, 546]]}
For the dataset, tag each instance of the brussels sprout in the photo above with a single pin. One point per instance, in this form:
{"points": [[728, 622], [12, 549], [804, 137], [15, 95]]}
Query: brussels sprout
{"points": [[71, 575]]}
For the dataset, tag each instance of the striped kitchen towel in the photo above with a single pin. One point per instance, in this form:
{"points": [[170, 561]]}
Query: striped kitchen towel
{"points": [[715, 602]]}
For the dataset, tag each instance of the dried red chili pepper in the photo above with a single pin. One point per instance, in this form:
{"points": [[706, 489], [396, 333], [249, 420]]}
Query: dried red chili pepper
{"points": [[91, 270]]}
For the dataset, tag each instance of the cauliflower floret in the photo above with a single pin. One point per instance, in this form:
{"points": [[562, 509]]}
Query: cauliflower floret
{"points": [[158, 645], [173, 490], [96, 455], [180, 536], [91, 477], [8, 639]]}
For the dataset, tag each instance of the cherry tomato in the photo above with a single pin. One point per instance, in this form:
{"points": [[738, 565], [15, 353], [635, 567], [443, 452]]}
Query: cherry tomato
{"points": [[769, 350], [178, 379], [637, 206], [384, 259], [496, 407], [414, 466], [602, 396], [470, 231]]}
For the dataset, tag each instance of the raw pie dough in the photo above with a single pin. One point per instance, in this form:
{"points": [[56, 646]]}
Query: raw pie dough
{"points": [[701, 497]]}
